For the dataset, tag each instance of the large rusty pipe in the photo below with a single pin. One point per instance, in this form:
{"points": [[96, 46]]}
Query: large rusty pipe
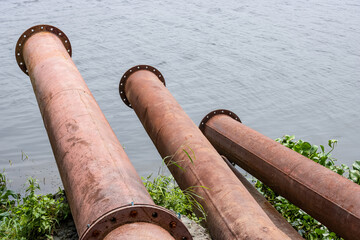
{"points": [[232, 213], [273, 214], [328, 197], [106, 196]]}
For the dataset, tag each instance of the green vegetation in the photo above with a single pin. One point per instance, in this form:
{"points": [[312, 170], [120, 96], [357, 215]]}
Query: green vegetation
{"points": [[36, 216], [165, 192], [307, 226], [32, 216]]}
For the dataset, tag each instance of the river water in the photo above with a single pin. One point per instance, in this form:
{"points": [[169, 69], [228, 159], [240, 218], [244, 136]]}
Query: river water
{"points": [[285, 67]]}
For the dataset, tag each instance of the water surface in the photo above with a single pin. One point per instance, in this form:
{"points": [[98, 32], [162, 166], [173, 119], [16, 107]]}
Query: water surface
{"points": [[285, 67]]}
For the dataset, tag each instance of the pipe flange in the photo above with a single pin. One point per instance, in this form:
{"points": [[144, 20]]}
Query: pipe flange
{"points": [[137, 213], [131, 71], [33, 30], [217, 112]]}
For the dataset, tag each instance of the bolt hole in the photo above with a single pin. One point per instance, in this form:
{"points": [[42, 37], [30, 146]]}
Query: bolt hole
{"points": [[184, 238], [138, 67], [222, 111], [202, 123], [51, 29], [59, 34], [121, 92], [24, 36], [113, 219], [133, 213], [124, 99], [159, 76], [207, 116], [229, 113], [172, 224], [18, 54], [42, 27], [155, 215], [26, 70], [32, 30], [68, 50], [19, 44], [121, 84], [153, 70], [146, 67], [21, 63], [66, 41], [130, 70], [214, 112], [129, 105]]}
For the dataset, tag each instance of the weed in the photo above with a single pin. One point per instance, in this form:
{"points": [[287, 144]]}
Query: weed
{"points": [[32, 217]]}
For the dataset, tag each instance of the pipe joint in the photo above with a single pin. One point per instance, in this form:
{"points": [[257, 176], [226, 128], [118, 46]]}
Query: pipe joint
{"points": [[131, 71], [33, 30], [133, 213], [217, 112]]}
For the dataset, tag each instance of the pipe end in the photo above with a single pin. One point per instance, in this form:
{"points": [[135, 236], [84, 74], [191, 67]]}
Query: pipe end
{"points": [[137, 213], [217, 112], [131, 71], [33, 30]]}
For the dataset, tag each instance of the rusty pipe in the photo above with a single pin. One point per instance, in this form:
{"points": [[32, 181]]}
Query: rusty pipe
{"points": [[273, 214], [232, 213], [103, 189], [328, 197]]}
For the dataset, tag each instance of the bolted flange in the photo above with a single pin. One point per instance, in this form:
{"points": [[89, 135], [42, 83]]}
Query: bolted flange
{"points": [[33, 30], [217, 112], [131, 71], [137, 213]]}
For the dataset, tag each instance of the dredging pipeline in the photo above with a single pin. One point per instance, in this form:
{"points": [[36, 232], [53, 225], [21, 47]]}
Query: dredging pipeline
{"points": [[273, 214], [106, 196], [325, 195], [232, 213]]}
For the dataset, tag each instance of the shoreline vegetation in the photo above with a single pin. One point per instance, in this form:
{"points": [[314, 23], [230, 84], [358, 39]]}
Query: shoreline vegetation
{"points": [[40, 216]]}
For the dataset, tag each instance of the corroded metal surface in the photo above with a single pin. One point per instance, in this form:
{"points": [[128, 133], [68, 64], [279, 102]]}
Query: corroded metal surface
{"points": [[99, 179], [328, 197], [232, 211], [273, 214], [139, 231]]}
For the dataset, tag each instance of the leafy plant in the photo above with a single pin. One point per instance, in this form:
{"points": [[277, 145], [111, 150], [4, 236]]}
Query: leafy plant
{"points": [[165, 192], [32, 217], [307, 226]]}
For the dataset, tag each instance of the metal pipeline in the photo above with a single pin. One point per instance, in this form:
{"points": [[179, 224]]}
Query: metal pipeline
{"points": [[272, 213], [232, 213], [328, 197], [106, 196]]}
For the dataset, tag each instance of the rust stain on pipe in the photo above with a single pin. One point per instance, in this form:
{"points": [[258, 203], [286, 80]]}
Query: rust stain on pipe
{"points": [[232, 211], [102, 187], [328, 197]]}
